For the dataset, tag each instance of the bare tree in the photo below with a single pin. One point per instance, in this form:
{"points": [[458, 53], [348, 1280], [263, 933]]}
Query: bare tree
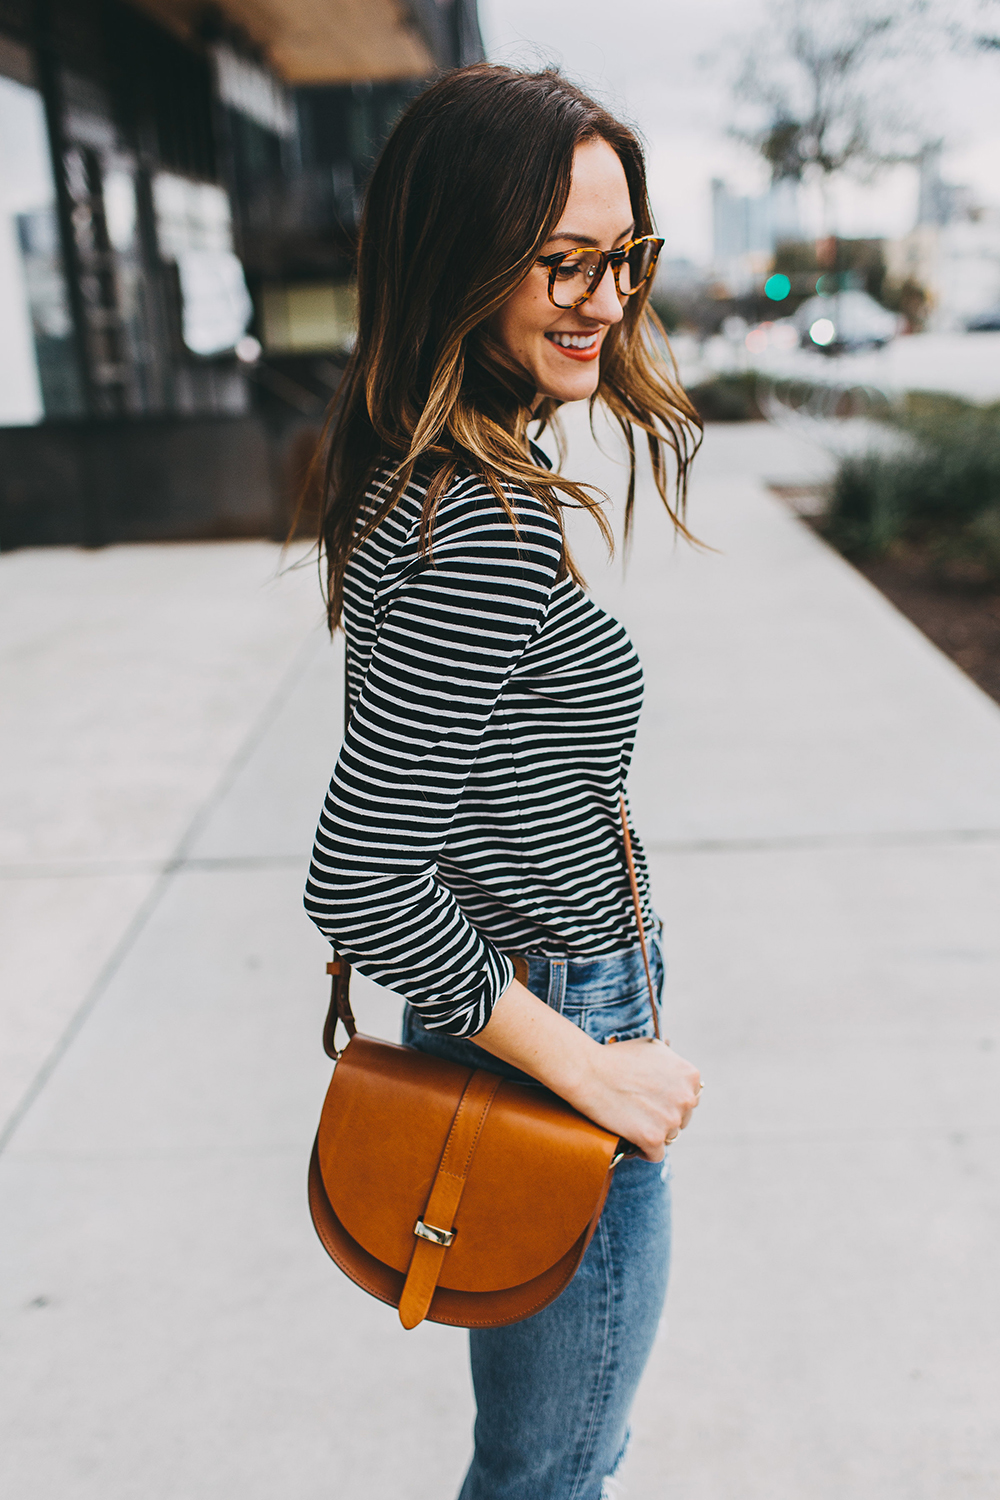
{"points": [[982, 32], [815, 88]]}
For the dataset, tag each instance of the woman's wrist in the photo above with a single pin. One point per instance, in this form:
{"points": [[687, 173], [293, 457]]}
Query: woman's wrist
{"points": [[530, 1035], [641, 1091]]}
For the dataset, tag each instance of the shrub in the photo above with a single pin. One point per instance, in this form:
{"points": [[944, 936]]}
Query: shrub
{"points": [[667, 310], [748, 395], [941, 490], [727, 398]]}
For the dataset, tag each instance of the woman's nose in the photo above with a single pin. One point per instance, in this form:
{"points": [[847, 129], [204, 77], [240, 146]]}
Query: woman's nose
{"points": [[604, 303]]}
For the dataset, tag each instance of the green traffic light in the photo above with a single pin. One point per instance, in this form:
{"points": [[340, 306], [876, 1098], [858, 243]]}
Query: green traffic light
{"points": [[777, 288]]}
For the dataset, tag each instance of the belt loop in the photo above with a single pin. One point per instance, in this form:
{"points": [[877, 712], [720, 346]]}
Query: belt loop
{"points": [[557, 984]]}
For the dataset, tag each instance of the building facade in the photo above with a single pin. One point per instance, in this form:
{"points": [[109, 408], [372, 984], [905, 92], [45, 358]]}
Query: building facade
{"points": [[179, 193], [952, 252], [746, 231]]}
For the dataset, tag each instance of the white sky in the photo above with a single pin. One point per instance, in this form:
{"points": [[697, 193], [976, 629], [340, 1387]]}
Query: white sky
{"points": [[651, 61]]}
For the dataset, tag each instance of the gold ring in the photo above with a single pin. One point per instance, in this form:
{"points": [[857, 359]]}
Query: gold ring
{"points": [[671, 1138]]}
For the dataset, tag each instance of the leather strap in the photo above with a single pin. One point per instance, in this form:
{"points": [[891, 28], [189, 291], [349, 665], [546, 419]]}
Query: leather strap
{"points": [[445, 1196], [521, 971], [637, 904], [340, 1005], [340, 970]]}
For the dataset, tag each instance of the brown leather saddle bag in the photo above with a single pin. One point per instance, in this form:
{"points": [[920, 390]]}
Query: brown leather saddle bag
{"points": [[450, 1192]]}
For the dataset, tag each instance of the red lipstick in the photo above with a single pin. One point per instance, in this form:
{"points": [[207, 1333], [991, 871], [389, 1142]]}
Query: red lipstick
{"points": [[584, 355]]}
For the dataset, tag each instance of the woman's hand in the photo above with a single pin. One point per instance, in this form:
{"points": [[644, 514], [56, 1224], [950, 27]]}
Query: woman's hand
{"points": [[643, 1091], [640, 1090]]}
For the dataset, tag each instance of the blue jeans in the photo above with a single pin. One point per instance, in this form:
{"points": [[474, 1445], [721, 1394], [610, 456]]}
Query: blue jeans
{"points": [[554, 1392]]}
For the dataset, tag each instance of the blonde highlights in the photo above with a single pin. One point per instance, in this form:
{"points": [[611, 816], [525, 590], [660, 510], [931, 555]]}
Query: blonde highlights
{"points": [[470, 185]]}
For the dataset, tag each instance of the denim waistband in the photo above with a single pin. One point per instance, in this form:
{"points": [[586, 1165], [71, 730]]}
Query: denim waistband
{"points": [[606, 996], [589, 982]]}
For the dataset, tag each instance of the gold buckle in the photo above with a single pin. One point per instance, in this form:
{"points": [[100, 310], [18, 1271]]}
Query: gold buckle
{"points": [[442, 1237]]}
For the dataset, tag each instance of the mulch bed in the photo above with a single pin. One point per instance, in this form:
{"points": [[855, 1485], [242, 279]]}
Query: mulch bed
{"points": [[958, 612], [960, 616]]}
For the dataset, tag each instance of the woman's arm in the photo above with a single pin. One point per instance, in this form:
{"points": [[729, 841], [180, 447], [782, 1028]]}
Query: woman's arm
{"points": [[452, 623], [639, 1089]]}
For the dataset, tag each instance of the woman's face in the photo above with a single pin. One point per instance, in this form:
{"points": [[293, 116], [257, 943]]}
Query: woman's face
{"points": [[560, 347]]}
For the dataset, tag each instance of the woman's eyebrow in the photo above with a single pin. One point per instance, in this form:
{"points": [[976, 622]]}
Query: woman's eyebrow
{"points": [[585, 239]]}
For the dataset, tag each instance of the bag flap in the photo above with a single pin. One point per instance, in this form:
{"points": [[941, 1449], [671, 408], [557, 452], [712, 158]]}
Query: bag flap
{"points": [[535, 1181]]}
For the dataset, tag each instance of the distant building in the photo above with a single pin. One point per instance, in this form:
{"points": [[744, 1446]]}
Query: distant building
{"points": [[953, 250], [179, 188], [746, 231]]}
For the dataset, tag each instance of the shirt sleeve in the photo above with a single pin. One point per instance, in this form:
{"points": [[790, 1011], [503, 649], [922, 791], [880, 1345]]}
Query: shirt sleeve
{"points": [[451, 625]]}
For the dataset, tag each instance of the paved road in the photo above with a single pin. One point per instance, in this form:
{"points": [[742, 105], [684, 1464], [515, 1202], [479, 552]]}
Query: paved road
{"points": [[820, 792]]}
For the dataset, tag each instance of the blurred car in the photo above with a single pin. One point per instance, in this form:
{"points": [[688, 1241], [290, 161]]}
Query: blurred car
{"points": [[845, 320], [986, 322], [780, 334]]}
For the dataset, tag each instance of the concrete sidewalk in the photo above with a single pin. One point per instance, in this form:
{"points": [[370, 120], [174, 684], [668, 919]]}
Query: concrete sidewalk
{"points": [[133, 681], [820, 791]]}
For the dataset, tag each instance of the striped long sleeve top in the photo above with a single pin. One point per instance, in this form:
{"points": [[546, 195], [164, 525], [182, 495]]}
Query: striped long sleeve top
{"points": [[473, 810]]}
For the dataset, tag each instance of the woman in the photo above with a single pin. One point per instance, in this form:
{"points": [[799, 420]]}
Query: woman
{"points": [[504, 265]]}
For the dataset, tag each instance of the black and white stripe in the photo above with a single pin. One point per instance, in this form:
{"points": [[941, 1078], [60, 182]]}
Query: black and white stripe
{"points": [[474, 808]]}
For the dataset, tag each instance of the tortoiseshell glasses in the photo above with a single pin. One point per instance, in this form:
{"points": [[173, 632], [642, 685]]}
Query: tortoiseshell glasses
{"points": [[575, 275]]}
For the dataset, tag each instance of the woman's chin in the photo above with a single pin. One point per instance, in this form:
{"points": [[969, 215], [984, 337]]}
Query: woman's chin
{"points": [[570, 385]]}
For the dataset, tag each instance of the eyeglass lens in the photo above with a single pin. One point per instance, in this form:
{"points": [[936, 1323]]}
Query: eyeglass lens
{"points": [[576, 274]]}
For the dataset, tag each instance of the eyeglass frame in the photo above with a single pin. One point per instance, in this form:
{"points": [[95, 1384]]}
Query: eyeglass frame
{"points": [[613, 258]]}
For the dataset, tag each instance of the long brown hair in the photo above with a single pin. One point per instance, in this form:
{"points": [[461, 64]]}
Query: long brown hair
{"points": [[471, 183]]}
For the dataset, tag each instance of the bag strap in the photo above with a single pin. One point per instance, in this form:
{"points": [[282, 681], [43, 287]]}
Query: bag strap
{"points": [[637, 906], [340, 1006], [340, 970], [435, 1232]]}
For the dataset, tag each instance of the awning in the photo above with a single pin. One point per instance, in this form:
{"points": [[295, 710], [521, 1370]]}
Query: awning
{"points": [[317, 41]]}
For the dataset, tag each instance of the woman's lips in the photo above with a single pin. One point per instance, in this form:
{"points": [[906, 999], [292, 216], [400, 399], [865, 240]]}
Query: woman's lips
{"points": [[584, 355]]}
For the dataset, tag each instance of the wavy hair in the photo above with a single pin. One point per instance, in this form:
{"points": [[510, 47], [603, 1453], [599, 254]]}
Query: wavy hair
{"points": [[469, 187]]}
